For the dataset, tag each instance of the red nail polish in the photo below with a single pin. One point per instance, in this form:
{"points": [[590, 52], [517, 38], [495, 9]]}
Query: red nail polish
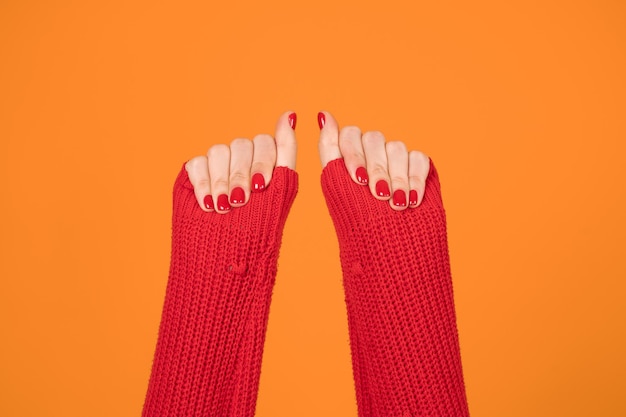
{"points": [[222, 203], [412, 198], [258, 182], [399, 198], [292, 120], [208, 202], [321, 120], [361, 175], [237, 196], [382, 189]]}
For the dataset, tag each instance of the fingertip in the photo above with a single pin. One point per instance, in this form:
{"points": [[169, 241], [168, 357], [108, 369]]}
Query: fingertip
{"points": [[292, 119], [258, 183], [326, 120], [380, 190], [237, 197], [207, 203], [398, 201], [413, 198], [222, 206], [361, 176], [321, 120]]}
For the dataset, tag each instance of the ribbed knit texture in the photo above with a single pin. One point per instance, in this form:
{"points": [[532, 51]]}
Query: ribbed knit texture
{"points": [[398, 290], [223, 266]]}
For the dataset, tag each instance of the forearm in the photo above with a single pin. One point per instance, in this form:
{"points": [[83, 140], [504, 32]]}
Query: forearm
{"points": [[399, 298], [208, 356]]}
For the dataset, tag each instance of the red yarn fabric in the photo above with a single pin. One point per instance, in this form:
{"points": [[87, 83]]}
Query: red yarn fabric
{"points": [[210, 345], [398, 289], [403, 336]]}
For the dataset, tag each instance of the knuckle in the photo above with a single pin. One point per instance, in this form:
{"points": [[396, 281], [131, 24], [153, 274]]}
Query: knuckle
{"points": [[219, 184], [197, 161], [264, 149], [352, 148], [396, 146], [203, 184], [418, 156], [240, 143], [399, 181], [238, 177], [416, 179], [373, 137], [356, 155], [378, 171], [219, 149], [263, 137], [260, 167], [350, 131]]}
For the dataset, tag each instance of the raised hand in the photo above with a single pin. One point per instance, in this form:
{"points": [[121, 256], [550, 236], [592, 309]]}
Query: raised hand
{"points": [[226, 175], [396, 274], [225, 245], [391, 172]]}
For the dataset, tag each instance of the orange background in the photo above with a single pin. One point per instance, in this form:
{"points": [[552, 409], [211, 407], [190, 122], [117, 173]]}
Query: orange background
{"points": [[521, 105]]}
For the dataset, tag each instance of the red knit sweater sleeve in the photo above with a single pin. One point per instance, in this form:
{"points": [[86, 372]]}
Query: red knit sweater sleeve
{"points": [[398, 291], [222, 269]]}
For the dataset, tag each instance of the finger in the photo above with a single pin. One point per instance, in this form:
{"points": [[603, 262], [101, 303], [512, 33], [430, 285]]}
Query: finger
{"points": [[376, 162], [351, 149], [239, 178], [198, 173], [263, 161], [419, 166], [398, 167], [328, 144], [219, 166], [286, 146]]}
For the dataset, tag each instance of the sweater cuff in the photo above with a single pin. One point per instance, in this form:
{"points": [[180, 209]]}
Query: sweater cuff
{"points": [[353, 208], [278, 196]]}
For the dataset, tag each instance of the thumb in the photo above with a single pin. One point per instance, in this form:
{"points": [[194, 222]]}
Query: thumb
{"points": [[328, 144], [286, 146]]}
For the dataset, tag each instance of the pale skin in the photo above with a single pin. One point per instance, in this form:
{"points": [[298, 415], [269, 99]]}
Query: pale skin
{"points": [[224, 178]]}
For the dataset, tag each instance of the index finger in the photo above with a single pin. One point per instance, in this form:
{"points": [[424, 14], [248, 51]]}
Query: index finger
{"points": [[198, 173]]}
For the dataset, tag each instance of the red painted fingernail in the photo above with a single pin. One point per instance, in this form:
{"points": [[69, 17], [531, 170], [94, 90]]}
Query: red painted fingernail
{"points": [[412, 198], [222, 203], [208, 202], [258, 182], [382, 189], [292, 120], [361, 175], [399, 198], [237, 196], [321, 120]]}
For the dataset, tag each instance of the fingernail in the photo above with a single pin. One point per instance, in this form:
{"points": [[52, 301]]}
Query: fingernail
{"points": [[382, 189], [208, 202], [361, 175], [321, 120], [292, 120], [412, 198], [237, 196], [258, 182], [399, 198], [222, 203]]}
